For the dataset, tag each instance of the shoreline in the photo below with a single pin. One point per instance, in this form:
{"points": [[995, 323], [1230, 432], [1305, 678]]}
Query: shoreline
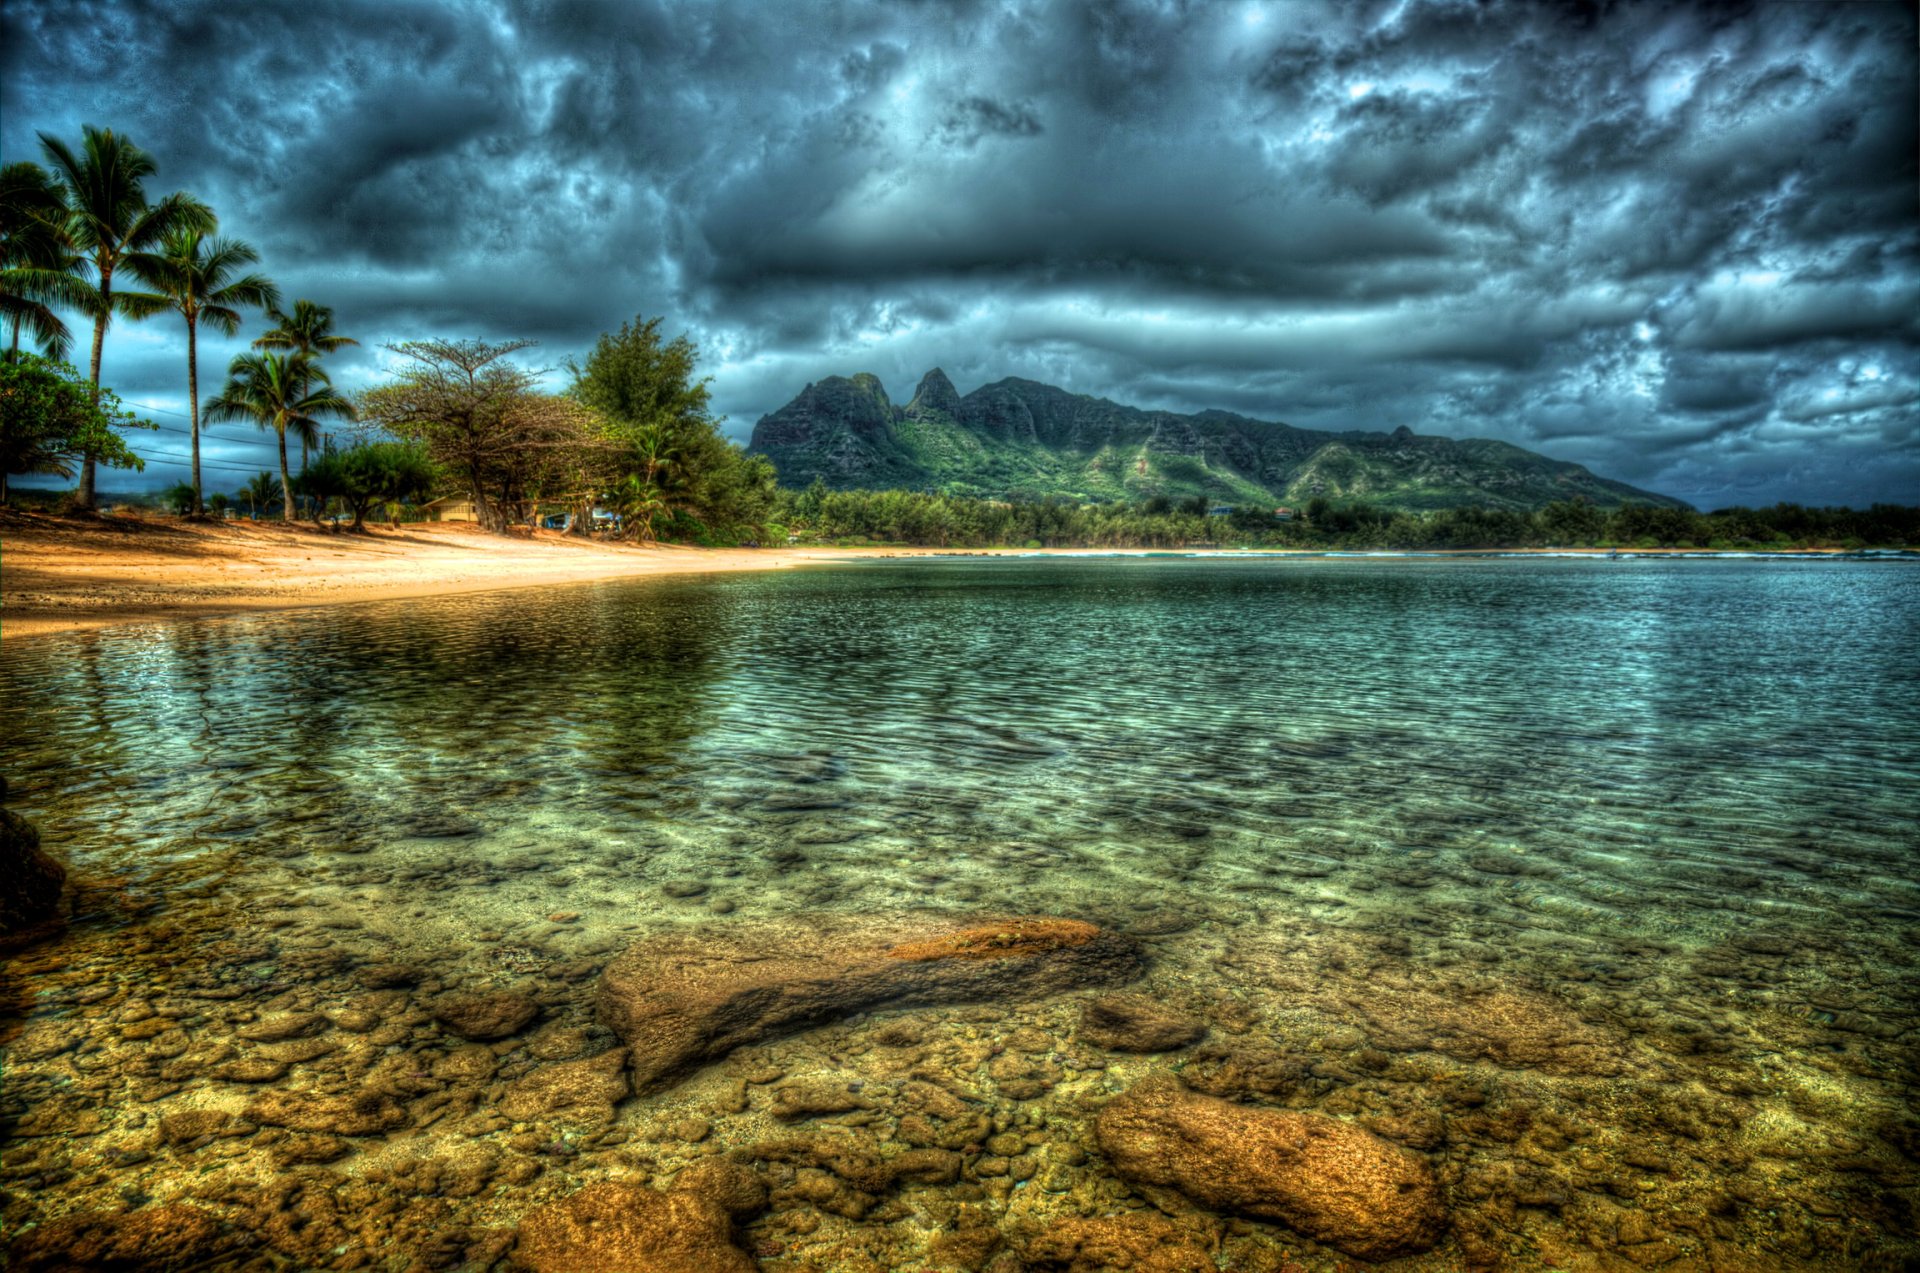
{"points": [[58, 575]]}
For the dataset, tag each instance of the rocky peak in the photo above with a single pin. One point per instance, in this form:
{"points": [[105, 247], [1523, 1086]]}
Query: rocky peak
{"points": [[1403, 434], [936, 394]]}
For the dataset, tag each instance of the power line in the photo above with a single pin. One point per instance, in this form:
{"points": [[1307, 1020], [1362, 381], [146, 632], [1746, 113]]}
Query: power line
{"points": [[171, 458], [218, 437]]}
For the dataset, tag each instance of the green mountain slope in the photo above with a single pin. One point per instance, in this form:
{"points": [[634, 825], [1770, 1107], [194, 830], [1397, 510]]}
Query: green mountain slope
{"points": [[1021, 438]]}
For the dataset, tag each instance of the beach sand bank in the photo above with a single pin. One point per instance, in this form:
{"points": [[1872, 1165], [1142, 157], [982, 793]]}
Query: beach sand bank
{"points": [[62, 574]]}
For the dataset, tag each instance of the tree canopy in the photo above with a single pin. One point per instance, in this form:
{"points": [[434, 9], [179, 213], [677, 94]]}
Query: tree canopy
{"points": [[483, 418], [51, 420]]}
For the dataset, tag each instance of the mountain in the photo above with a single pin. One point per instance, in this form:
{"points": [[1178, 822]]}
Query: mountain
{"points": [[1021, 438]]}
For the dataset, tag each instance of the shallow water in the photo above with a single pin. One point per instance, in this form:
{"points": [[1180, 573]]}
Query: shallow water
{"points": [[1624, 850]]}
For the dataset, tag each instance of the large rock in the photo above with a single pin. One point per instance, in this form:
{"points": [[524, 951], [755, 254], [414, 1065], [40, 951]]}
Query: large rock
{"points": [[1319, 1176], [30, 881], [613, 1227], [678, 1001]]}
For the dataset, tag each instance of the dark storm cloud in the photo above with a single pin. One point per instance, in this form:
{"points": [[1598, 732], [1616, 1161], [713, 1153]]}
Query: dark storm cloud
{"points": [[1677, 244]]}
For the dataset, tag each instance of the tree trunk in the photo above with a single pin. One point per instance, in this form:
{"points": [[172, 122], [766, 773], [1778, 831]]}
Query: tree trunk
{"points": [[286, 480], [99, 343], [193, 407], [582, 519]]}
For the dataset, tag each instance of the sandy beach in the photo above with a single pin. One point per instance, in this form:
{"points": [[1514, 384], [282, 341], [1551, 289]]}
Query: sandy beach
{"points": [[61, 574]]}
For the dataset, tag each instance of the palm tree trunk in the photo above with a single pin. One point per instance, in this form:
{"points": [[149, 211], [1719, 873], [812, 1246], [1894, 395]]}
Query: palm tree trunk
{"points": [[193, 407], [99, 343], [86, 499], [286, 480]]}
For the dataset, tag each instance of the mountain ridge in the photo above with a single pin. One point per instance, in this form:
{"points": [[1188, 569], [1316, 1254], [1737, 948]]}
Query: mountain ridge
{"points": [[1021, 438]]}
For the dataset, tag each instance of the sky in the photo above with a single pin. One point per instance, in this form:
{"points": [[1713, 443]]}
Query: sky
{"points": [[1679, 244]]}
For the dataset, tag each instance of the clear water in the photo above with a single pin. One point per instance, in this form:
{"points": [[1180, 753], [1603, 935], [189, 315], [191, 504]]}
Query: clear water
{"points": [[1631, 845]]}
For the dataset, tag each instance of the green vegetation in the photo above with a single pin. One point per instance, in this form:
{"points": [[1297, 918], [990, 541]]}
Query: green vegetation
{"points": [[51, 421], [195, 275], [107, 223], [1021, 440], [665, 463], [281, 392], [821, 515], [37, 261], [366, 476]]}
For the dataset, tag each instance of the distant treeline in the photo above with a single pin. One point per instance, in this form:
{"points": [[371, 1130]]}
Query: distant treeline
{"points": [[911, 517]]}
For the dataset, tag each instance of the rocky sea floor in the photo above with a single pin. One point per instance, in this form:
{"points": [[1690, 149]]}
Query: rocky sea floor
{"points": [[306, 1076], [1628, 989]]}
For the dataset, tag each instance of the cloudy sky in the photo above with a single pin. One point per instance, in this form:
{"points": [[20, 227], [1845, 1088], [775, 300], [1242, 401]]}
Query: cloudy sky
{"points": [[1678, 244]]}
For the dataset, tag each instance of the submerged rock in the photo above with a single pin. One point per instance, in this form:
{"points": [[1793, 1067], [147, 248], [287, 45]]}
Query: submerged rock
{"points": [[612, 1227], [1139, 1243], [157, 1240], [587, 1089], [366, 1114], [1136, 1023], [486, 1017], [677, 1001], [1317, 1175], [30, 881]]}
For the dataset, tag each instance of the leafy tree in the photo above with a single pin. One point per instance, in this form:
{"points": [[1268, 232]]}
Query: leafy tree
{"points": [[36, 259], [1571, 523], [666, 448], [109, 220], [50, 419], [280, 393], [482, 418], [367, 474], [218, 503], [261, 491], [196, 276], [180, 498]]}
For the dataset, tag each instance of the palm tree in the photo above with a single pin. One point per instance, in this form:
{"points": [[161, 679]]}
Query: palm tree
{"points": [[109, 219], [307, 330], [36, 260], [278, 392], [195, 274], [259, 491]]}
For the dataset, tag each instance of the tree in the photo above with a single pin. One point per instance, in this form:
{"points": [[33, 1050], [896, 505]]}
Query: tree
{"points": [[50, 418], [308, 329], [36, 259], [108, 220], [279, 393], [196, 276], [218, 503], [481, 418], [180, 498], [666, 445], [260, 492], [369, 473]]}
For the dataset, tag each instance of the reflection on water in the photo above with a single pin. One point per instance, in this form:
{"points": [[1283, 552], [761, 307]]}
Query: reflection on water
{"points": [[1627, 849]]}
